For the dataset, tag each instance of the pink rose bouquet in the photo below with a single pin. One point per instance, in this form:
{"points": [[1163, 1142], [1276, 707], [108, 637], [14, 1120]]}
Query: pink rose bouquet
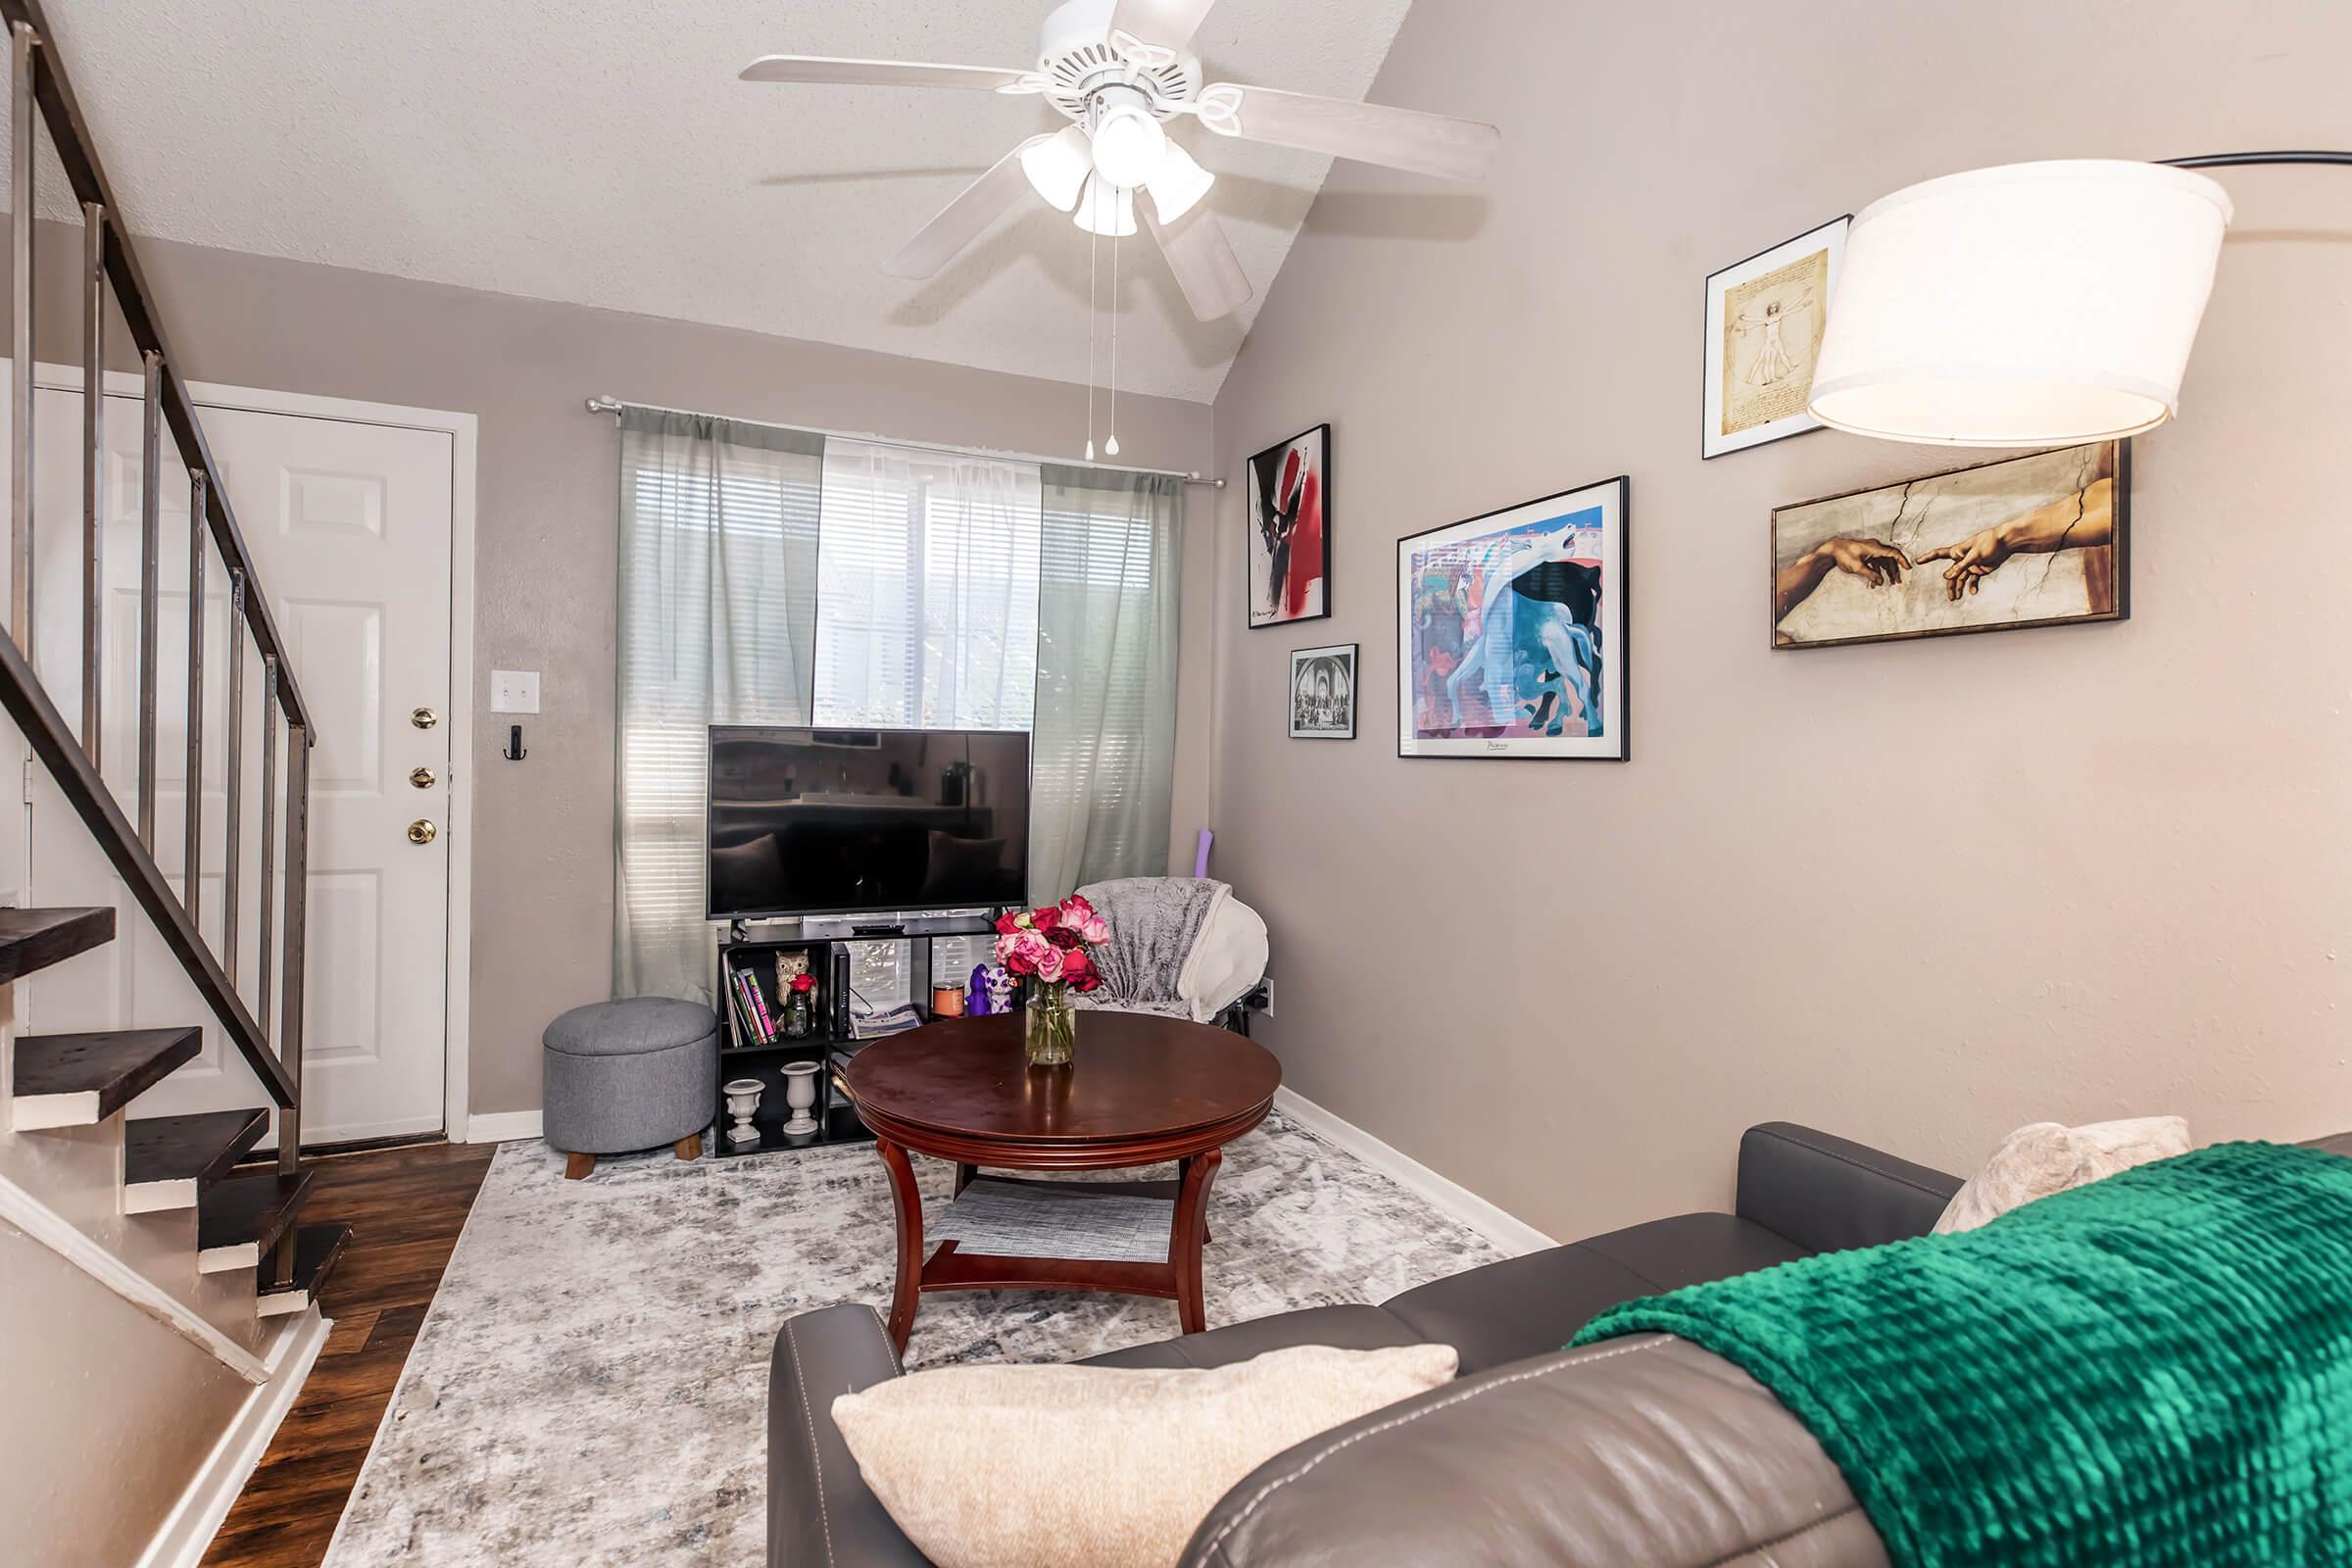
{"points": [[1050, 945]]}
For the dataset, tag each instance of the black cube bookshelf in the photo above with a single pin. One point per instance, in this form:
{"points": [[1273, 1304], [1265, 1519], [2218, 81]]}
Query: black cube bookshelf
{"points": [[826, 948]]}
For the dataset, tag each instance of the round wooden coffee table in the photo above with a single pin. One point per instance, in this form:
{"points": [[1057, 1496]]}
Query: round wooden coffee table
{"points": [[1143, 1090]]}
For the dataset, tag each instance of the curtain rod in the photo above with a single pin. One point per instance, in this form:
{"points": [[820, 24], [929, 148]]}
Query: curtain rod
{"points": [[613, 405]]}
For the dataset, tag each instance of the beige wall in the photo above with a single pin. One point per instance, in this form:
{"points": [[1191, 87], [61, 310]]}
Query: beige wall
{"points": [[108, 1414], [1917, 893], [546, 527]]}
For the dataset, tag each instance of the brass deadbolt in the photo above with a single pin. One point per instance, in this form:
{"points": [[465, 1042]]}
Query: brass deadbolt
{"points": [[423, 717], [422, 777]]}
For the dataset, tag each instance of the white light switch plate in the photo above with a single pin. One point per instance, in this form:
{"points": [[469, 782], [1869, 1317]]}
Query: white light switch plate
{"points": [[513, 690]]}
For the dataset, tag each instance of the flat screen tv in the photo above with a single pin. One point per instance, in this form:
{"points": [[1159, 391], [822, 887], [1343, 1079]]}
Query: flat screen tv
{"points": [[853, 822]]}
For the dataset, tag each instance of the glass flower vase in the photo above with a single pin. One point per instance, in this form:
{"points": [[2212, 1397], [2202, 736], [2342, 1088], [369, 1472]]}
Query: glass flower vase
{"points": [[1050, 1031]]}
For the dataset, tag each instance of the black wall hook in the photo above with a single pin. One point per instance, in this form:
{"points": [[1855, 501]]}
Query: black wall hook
{"points": [[514, 751]]}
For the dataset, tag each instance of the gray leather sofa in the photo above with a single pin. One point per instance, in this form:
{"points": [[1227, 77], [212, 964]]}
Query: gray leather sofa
{"points": [[1644, 1450]]}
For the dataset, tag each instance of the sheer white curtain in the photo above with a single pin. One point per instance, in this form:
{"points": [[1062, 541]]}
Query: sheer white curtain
{"points": [[926, 589], [718, 625], [1104, 744]]}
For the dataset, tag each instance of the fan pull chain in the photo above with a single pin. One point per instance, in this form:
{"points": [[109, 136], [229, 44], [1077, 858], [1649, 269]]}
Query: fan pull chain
{"points": [[1093, 247], [1110, 448]]}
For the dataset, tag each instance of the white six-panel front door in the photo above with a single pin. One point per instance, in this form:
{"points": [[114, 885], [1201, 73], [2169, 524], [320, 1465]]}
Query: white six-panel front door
{"points": [[350, 524]]}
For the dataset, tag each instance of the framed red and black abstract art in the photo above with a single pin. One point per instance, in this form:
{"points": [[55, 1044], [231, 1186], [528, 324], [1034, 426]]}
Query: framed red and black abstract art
{"points": [[1289, 530]]}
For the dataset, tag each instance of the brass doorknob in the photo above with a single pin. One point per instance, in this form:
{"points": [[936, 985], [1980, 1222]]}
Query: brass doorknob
{"points": [[421, 831], [423, 717], [422, 777]]}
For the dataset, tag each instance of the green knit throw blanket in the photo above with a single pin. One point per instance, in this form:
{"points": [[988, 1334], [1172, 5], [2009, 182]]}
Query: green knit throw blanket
{"points": [[2152, 1369]]}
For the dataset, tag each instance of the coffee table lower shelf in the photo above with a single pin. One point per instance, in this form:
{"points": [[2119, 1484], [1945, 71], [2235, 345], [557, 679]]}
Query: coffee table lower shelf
{"points": [[950, 1268]]}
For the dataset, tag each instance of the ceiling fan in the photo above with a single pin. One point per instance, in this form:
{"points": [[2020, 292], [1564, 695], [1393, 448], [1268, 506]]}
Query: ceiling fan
{"points": [[1119, 70]]}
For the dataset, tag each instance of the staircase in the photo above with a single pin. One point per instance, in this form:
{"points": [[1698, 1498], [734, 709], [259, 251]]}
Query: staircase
{"points": [[158, 1208]]}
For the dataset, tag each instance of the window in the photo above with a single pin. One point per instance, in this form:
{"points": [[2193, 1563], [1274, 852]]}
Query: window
{"points": [[770, 576], [926, 590], [717, 608]]}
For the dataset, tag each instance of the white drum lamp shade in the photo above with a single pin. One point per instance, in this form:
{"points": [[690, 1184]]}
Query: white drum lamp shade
{"points": [[2033, 305]]}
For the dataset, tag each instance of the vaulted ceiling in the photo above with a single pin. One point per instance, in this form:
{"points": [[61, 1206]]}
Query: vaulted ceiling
{"points": [[601, 152]]}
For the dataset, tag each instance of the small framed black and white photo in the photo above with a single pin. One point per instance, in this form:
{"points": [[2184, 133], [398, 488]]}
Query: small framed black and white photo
{"points": [[1323, 693]]}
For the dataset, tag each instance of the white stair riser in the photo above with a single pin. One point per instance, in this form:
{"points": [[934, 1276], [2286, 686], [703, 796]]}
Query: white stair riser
{"points": [[282, 1303], [34, 1113], [159, 1197], [220, 1259]]}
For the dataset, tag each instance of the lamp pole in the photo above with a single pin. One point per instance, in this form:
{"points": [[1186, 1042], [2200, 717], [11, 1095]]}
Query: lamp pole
{"points": [[2246, 160]]}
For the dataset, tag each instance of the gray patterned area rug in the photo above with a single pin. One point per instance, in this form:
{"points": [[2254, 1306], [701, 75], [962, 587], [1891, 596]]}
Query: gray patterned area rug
{"points": [[591, 1385]]}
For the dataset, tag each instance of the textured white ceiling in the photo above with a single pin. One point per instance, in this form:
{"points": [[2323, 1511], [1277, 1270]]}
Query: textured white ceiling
{"points": [[601, 152]]}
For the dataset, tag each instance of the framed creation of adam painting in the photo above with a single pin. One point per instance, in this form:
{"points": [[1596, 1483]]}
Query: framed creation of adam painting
{"points": [[2040, 540], [1510, 631], [1289, 530]]}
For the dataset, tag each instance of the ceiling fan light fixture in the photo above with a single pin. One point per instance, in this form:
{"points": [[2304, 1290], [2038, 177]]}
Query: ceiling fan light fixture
{"points": [[1177, 184], [1129, 144], [1105, 209], [1057, 166]]}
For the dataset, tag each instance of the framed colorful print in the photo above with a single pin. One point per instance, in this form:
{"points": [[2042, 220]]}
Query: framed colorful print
{"points": [[1765, 318], [1323, 693], [1510, 631], [1289, 530], [2035, 541]]}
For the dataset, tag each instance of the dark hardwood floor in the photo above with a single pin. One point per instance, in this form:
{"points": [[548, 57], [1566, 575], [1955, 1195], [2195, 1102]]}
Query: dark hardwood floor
{"points": [[406, 1206]]}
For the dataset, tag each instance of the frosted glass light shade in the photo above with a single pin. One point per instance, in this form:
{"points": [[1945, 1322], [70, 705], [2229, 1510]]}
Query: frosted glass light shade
{"points": [[1128, 144], [1177, 184], [1057, 166], [2032, 305], [1105, 209]]}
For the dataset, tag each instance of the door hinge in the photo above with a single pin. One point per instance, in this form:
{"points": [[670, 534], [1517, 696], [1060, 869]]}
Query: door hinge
{"points": [[29, 781]]}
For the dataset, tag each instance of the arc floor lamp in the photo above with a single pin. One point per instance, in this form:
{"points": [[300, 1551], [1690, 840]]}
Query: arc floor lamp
{"points": [[2032, 304]]}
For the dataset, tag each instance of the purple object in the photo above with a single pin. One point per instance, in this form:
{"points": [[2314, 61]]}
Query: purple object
{"points": [[975, 995], [1201, 860]]}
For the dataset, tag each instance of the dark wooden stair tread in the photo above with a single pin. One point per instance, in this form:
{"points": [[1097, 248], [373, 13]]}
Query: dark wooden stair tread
{"points": [[200, 1147], [114, 1066], [34, 939], [316, 1248], [249, 1210]]}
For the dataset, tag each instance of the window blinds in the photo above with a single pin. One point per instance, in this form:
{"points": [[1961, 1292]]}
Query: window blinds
{"points": [[927, 590]]}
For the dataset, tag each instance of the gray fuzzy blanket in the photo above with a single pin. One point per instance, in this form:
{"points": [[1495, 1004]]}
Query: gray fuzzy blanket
{"points": [[1155, 922]]}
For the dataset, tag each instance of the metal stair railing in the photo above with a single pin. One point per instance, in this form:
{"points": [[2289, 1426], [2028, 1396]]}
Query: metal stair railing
{"points": [[43, 98]]}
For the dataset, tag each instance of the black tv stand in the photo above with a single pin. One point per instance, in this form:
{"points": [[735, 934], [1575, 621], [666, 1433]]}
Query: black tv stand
{"points": [[820, 945]]}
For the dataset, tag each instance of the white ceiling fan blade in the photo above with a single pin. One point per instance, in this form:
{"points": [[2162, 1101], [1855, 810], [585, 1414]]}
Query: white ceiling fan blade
{"points": [[1168, 23], [1201, 258], [877, 72], [959, 223], [1370, 134]]}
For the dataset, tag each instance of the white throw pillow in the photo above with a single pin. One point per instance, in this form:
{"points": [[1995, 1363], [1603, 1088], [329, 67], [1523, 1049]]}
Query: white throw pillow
{"points": [[1097, 1466], [2045, 1158]]}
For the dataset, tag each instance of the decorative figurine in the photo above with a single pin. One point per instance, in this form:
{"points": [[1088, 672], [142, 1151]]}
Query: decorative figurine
{"points": [[1000, 988], [976, 995]]}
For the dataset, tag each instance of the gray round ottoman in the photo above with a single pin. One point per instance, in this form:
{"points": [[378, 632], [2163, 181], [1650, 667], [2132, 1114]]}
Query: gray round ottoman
{"points": [[626, 1075]]}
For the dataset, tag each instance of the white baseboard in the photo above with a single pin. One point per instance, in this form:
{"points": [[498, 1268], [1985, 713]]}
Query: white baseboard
{"points": [[501, 1127], [197, 1516], [1505, 1230]]}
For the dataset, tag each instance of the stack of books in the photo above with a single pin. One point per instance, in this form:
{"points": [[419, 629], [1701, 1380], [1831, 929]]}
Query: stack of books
{"points": [[758, 1024]]}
